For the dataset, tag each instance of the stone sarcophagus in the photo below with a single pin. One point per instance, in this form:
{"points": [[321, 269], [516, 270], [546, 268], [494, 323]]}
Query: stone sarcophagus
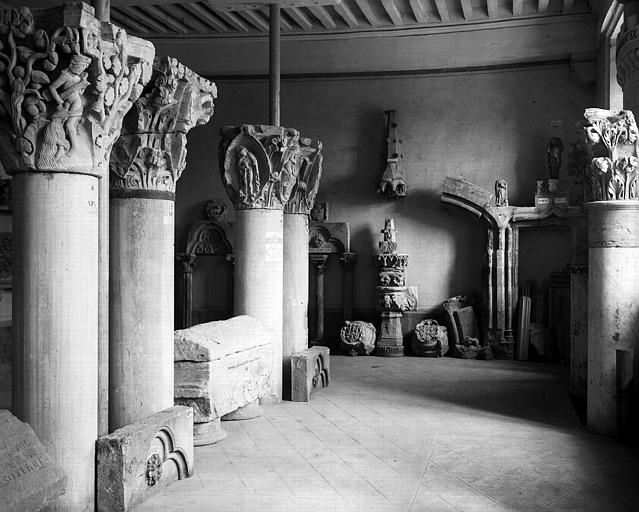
{"points": [[220, 367], [136, 461]]}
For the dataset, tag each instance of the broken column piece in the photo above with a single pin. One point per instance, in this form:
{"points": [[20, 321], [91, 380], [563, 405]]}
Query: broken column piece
{"points": [[393, 182], [310, 371]]}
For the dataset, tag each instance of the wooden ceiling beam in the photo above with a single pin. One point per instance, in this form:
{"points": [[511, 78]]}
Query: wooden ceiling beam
{"points": [[518, 7], [323, 16], [234, 20], [300, 17], [144, 19], [543, 5], [467, 9], [346, 14], [128, 22], [186, 17], [391, 8], [256, 19], [418, 11], [442, 9], [163, 17], [493, 8], [368, 13]]}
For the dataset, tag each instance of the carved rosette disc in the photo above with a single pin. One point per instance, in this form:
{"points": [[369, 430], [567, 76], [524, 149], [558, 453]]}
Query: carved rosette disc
{"points": [[612, 139], [261, 167], [66, 81], [151, 153]]}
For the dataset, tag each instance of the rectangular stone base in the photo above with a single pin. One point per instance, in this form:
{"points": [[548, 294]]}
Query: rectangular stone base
{"points": [[29, 480], [136, 461], [390, 342], [310, 370]]}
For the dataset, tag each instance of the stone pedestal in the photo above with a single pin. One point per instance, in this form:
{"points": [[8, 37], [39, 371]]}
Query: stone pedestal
{"points": [[613, 298], [261, 168], [57, 145], [146, 163], [390, 342]]}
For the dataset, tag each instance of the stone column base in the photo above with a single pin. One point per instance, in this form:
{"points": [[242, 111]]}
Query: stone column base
{"points": [[209, 432], [248, 412], [390, 342]]}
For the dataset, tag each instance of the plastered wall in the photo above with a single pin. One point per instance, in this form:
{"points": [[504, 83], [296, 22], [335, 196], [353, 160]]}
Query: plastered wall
{"points": [[478, 125]]}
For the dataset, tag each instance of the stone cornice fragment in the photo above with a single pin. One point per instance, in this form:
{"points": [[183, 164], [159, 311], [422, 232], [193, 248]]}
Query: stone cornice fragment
{"points": [[151, 152], [66, 82]]}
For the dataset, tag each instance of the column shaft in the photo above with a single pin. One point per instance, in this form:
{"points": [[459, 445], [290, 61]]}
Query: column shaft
{"points": [[613, 297], [55, 311], [295, 334], [103, 306], [141, 318], [259, 273]]}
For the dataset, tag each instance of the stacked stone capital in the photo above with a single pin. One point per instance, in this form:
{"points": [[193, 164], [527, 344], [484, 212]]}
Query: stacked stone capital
{"points": [[66, 81], [612, 140], [151, 152], [263, 167]]}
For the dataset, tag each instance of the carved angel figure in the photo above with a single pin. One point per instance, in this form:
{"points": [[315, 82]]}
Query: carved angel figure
{"points": [[249, 189]]}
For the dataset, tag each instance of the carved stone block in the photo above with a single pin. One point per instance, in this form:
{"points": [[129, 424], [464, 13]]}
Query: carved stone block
{"points": [[430, 339], [358, 338], [29, 480], [390, 342], [220, 367], [310, 370], [136, 461]]}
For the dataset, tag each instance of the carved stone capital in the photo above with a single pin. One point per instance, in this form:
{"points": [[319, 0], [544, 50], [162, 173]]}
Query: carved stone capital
{"points": [[66, 81], [187, 260], [612, 139], [151, 153], [399, 261], [260, 166], [348, 259], [319, 261], [308, 179]]}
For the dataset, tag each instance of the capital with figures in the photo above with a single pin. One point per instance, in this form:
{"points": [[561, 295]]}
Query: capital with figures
{"points": [[66, 82], [151, 153]]}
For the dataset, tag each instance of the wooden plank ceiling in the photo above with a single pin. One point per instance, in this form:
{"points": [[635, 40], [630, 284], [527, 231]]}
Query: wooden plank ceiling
{"points": [[206, 17]]}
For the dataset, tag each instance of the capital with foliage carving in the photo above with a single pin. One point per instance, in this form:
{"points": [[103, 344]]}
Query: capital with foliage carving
{"points": [[66, 82], [151, 152], [612, 146], [260, 165]]}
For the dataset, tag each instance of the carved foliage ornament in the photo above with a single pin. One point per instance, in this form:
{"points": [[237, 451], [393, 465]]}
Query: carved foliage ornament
{"points": [[65, 85], [260, 166], [612, 144], [310, 171], [151, 153]]}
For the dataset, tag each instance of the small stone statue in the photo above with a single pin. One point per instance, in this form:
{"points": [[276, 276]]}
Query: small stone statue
{"points": [[319, 213], [501, 193], [389, 245], [554, 149]]}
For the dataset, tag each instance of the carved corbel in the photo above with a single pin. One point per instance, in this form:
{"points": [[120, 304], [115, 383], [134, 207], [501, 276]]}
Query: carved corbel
{"points": [[66, 81], [260, 165], [151, 153], [612, 143]]}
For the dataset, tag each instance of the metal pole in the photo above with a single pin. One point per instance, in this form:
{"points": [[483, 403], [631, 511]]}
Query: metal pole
{"points": [[102, 9], [274, 64]]}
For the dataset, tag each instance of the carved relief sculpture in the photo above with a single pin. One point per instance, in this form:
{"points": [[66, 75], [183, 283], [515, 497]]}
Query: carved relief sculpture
{"points": [[393, 182], [554, 149], [393, 296], [358, 338], [260, 167], [430, 339], [612, 147], [66, 81], [151, 153]]}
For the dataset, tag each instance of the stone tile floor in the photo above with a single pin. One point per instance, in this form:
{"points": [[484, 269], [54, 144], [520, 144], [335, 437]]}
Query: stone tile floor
{"points": [[419, 435]]}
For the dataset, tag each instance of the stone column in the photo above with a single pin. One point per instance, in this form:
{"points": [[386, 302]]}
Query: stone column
{"points": [[613, 252], [259, 166], [66, 108], [348, 260], [319, 262], [146, 162], [187, 262], [296, 211]]}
